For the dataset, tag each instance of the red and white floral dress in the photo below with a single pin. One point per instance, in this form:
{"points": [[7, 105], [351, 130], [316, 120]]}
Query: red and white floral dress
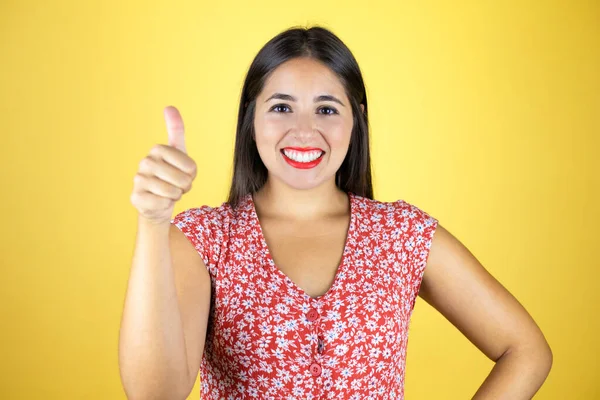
{"points": [[268, 339]]}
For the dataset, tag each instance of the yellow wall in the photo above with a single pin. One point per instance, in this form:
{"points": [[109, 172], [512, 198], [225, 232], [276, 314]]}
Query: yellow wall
{"points": [[484, 115]]}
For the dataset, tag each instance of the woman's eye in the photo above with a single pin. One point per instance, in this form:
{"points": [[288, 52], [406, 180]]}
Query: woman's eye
{"points": [[328, 110], [284, 108], [279, 107]]}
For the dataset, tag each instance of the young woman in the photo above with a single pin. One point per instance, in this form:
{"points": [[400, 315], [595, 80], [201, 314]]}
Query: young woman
{"points": [[301, 285]]}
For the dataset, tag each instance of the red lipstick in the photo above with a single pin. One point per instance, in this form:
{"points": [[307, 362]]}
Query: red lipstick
{"points": [[299, 164], [303, 148]]}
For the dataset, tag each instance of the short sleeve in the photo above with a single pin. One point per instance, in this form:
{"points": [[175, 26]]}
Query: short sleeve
{"points": [[417, 229], [200, 226]]}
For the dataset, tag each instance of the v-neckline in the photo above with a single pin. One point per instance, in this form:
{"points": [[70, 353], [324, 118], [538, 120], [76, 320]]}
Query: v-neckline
{"points": [[342, 266]]}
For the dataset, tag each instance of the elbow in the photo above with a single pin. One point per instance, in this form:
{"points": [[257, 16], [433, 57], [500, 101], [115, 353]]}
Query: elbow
{"points": [[143, 380], [140, 387], [547, 357], [543, 355], [537, 354], [543, 360], [149, 393], [534, 347]]}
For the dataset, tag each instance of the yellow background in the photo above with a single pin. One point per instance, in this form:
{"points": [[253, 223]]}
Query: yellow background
{"points": [[484, 114]]}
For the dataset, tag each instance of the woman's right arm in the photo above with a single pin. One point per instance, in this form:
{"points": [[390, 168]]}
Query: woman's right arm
{"points": [[164, 322], [165, 315]]}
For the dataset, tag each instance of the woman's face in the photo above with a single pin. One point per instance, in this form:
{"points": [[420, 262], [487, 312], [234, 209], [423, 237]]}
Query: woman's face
{"points": [[303, 106]]}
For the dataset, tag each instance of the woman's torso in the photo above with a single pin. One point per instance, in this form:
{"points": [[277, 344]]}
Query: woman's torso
{"points": [[276, 333], [308, 252]]}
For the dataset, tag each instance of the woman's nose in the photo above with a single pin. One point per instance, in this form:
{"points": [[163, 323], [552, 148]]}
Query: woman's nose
{"points": [[304, 125]]}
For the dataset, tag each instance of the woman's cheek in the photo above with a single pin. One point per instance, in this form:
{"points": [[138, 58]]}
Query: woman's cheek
{"points": [[275, 127], [268, 134], [339, 136]]}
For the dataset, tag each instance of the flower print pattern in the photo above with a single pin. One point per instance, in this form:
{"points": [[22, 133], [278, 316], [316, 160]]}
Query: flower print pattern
{"points": [[268, 339]]}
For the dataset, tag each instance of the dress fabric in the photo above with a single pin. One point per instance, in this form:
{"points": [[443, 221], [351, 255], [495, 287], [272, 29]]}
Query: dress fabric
{"points": [[268, 339]]}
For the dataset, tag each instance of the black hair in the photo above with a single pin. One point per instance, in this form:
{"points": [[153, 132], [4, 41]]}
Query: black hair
{"points": [[249, 172]]}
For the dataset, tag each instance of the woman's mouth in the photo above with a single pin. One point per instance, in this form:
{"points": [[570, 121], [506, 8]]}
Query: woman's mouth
{"points": [[303, 159]]}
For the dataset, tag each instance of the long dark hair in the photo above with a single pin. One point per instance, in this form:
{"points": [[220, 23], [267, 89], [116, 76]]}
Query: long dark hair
{"points": [[249, 172]]}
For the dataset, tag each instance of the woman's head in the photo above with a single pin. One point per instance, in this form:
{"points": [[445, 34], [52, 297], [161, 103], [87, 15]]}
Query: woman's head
{"points": [[304, 89]]}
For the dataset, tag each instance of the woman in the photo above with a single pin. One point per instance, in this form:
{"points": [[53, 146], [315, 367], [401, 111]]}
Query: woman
{"points": [[301, 285]]}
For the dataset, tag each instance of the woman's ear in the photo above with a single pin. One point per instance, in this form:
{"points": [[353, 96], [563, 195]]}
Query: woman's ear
{"points": [[362, 108]]}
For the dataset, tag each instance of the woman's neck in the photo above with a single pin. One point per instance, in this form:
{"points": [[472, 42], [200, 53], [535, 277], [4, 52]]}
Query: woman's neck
{"points": [[278, 200]]}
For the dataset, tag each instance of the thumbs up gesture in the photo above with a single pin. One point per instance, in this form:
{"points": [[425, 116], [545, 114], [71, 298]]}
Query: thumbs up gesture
{"points": [[175, 128], [164, 175]]}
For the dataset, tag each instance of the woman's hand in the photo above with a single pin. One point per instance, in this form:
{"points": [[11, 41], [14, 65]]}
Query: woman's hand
{"points": [[164, 175]]}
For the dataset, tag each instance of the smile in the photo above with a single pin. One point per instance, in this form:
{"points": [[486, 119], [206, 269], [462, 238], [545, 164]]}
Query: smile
{"points": [[303, 159]]}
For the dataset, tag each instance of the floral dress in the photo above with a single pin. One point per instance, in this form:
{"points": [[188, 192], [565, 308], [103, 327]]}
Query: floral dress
{"points": [[268, 339]]}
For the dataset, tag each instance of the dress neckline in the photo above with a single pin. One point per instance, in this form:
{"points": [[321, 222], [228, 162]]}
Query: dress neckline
{"points": [[342, 266]]}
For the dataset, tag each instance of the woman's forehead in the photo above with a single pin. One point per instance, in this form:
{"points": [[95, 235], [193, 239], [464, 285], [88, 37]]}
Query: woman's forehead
{"points": [[303, 76]]}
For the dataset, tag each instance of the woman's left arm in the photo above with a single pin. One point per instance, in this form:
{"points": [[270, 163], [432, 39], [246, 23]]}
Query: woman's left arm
{"points": [[461, 289]]}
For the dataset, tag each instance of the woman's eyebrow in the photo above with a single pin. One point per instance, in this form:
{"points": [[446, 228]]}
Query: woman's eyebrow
{"points": [[324, 97]]}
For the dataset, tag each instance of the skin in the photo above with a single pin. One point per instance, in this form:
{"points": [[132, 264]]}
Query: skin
{"points": [[466, 294], [454, 283], [289, 192], [303, 215]]}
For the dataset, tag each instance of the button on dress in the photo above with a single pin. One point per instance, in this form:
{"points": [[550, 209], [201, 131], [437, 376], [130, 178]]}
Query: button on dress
{"points": [[268, 339]]}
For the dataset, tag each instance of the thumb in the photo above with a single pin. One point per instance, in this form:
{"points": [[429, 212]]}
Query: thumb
{"points": [[175, 128]]}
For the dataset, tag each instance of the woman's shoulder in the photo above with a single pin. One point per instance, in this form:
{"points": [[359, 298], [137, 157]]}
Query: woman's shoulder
{"points": [[206, 215], [399, 210]]}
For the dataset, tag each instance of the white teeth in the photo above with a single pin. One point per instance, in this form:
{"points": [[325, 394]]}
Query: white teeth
{"points": [[303, 156]]}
